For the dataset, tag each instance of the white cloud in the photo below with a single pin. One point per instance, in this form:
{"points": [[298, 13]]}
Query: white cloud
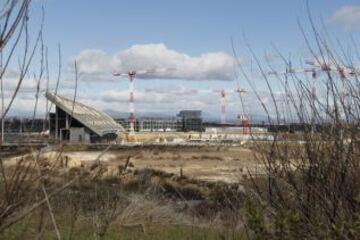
{"points": [[348, 16], [93, 62], [182, 91], [123, 96], [174, 99], [147, 101], [98, 65], [147, 96]]}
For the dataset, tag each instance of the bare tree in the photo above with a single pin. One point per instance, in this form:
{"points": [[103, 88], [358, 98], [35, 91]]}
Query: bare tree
{"points": [[310, 187], [21, 181]]}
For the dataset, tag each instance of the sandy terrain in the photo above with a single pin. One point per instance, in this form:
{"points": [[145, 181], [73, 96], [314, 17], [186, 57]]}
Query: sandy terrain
{"points": [[210, 163]]}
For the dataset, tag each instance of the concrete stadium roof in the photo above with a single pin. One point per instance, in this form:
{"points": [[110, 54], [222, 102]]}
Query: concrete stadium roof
{"points": [[97, 121]]}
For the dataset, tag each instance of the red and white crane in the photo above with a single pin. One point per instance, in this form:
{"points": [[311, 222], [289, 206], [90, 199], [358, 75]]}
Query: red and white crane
{"points": [[223, 104], [342, 70], [132, 75]]}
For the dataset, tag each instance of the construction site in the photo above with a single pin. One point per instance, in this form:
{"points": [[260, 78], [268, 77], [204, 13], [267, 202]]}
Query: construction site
{"points": [[157, 120], [76, 123]]}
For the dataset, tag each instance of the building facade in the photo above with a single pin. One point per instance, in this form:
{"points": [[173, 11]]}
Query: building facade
{"points": [[78, 123], [191, 120], [185, 121]]}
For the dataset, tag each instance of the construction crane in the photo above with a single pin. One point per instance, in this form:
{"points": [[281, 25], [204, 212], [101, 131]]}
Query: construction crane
{"points": [[243, 119], [132, 74], [222, 93], [341, 70], [316, 68], [290, 70], [240, 116], [338, 68]]}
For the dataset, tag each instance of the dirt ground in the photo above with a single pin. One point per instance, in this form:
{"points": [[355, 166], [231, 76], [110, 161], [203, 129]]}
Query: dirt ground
{"points": [[210, 163]]}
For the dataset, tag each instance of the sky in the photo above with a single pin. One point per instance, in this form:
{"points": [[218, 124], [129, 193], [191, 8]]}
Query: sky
{"points": [[191, 36]]}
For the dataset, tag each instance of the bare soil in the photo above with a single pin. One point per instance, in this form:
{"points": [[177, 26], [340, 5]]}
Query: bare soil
{"points": [[210, 163]]}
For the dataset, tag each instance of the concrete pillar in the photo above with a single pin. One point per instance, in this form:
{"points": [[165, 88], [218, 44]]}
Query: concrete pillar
{"points": [[67, 123], [48, 122], [56, 123]]}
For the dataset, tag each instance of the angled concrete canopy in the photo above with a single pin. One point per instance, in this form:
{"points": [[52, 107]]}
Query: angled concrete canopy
{"points": [[95, 120]]}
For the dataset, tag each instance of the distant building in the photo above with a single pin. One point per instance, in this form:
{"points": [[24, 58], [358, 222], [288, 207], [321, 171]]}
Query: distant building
{"points": [[191, 120], [159, 125], [153, 124], [126, 123], [79, 123]]}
